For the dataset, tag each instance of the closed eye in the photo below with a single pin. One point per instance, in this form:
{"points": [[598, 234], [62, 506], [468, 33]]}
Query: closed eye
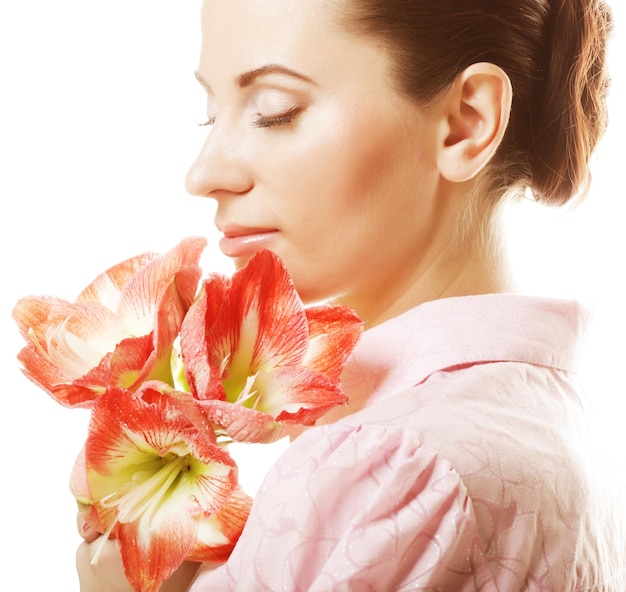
{"points": [[277, 120]]}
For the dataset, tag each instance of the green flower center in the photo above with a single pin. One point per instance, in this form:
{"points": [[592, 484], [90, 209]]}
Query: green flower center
{"points": [[141, 496]]}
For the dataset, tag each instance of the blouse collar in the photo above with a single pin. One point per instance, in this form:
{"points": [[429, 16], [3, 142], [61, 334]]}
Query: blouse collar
{"points": [[462, 331]]}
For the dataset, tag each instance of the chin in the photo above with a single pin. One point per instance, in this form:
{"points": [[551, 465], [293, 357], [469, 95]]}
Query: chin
{"points": [[240, 262], [312, 295]]}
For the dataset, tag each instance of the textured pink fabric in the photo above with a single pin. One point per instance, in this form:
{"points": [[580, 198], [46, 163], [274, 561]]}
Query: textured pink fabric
{"points": [[458, 465]]}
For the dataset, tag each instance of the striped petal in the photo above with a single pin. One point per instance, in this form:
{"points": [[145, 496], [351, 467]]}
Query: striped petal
{"points": [[260, 325], [64, 342], [276, 402], [119, 331], [257, 359], [202, 364], [141, 295], [333, 333], [106, 289], [162, 477], [218, 533]]}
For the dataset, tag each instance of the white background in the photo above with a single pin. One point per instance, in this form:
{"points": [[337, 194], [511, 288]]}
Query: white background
{"points": [[98, 113]]}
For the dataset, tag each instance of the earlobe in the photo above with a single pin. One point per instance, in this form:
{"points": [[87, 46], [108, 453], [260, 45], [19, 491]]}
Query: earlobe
{"points": [[474, 119]]}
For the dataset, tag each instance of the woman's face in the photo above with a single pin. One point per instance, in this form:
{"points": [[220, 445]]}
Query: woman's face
{"points": [[311, 152]]}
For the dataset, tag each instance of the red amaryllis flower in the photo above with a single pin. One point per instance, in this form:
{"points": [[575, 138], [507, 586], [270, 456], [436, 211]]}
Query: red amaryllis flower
{"points": [[164, 489], [118, 332], [258, 360]]}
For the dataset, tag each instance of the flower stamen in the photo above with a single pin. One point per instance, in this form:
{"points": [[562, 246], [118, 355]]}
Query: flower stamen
{"points": [[247, 393], [143, 498], [224, 365], [103, 539]]}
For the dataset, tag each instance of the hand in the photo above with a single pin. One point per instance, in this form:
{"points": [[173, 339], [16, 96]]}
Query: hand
{"points": [[108, 574]]}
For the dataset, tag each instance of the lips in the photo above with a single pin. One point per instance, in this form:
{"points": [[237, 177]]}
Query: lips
{"points": [[244, 242]]}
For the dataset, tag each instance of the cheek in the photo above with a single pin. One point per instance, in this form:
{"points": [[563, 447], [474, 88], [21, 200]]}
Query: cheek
{"points": [[365, 178], [326, 172], [339, 195]]}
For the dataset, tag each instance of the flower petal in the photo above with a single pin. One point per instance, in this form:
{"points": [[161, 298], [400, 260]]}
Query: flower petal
{"points": [[79, 486], [266, 301], [283, 400], [106, 289], [64, 341], [261, 325], [201, 374], [125, 426], [174, 304], [73, 336], [119, 331], [151, 553], [131, 441], [123, 367], [57, 384], [218, 533], [141, 295], [242, 424], [333, 333], [297, 391], [144, 458]]}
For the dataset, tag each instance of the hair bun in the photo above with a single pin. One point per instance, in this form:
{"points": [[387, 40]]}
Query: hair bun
{"points": [[571, 115]]}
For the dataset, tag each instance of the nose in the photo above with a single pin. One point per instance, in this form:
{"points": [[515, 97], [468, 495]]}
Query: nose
{"points": [[221, 167]]}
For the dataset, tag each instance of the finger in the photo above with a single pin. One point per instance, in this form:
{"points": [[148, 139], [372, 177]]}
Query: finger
{"points": [[104, 575], [86, 531]]}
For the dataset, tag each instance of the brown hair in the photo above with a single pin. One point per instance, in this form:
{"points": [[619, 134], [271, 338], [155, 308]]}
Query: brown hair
{"points": [[552, 50]]}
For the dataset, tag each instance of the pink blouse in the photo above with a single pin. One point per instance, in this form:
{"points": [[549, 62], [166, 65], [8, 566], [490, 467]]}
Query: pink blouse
{"points": [[459, 465]]}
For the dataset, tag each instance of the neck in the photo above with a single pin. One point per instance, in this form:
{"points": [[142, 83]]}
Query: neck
{"points": [[474, 265]]}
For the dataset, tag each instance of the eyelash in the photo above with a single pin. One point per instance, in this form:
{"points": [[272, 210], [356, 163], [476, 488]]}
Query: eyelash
{"points": [[263, 121], [278, 120]]}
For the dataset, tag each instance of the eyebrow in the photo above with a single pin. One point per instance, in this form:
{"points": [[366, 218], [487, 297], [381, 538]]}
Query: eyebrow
{"points": [[247, 78]]}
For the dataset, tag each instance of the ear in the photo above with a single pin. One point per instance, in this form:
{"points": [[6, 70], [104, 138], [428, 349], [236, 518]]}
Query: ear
{"points": [[476, 112]]}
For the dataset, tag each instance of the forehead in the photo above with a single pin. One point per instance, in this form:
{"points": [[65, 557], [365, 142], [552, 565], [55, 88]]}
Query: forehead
{"points": [[248, 12], [249, 33]]}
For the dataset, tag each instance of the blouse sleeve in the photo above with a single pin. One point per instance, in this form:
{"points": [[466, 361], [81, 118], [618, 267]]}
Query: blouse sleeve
{"points": [[362, 508]]}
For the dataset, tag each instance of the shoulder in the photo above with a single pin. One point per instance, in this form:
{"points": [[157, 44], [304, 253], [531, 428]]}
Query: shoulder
{"points": [[513, 435], [509, 429], [360, 474], [507, 408], [364, 455], [349, 505]]}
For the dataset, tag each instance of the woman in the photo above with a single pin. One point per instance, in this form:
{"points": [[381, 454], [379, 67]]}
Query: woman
{"points": [[371, 145]]}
